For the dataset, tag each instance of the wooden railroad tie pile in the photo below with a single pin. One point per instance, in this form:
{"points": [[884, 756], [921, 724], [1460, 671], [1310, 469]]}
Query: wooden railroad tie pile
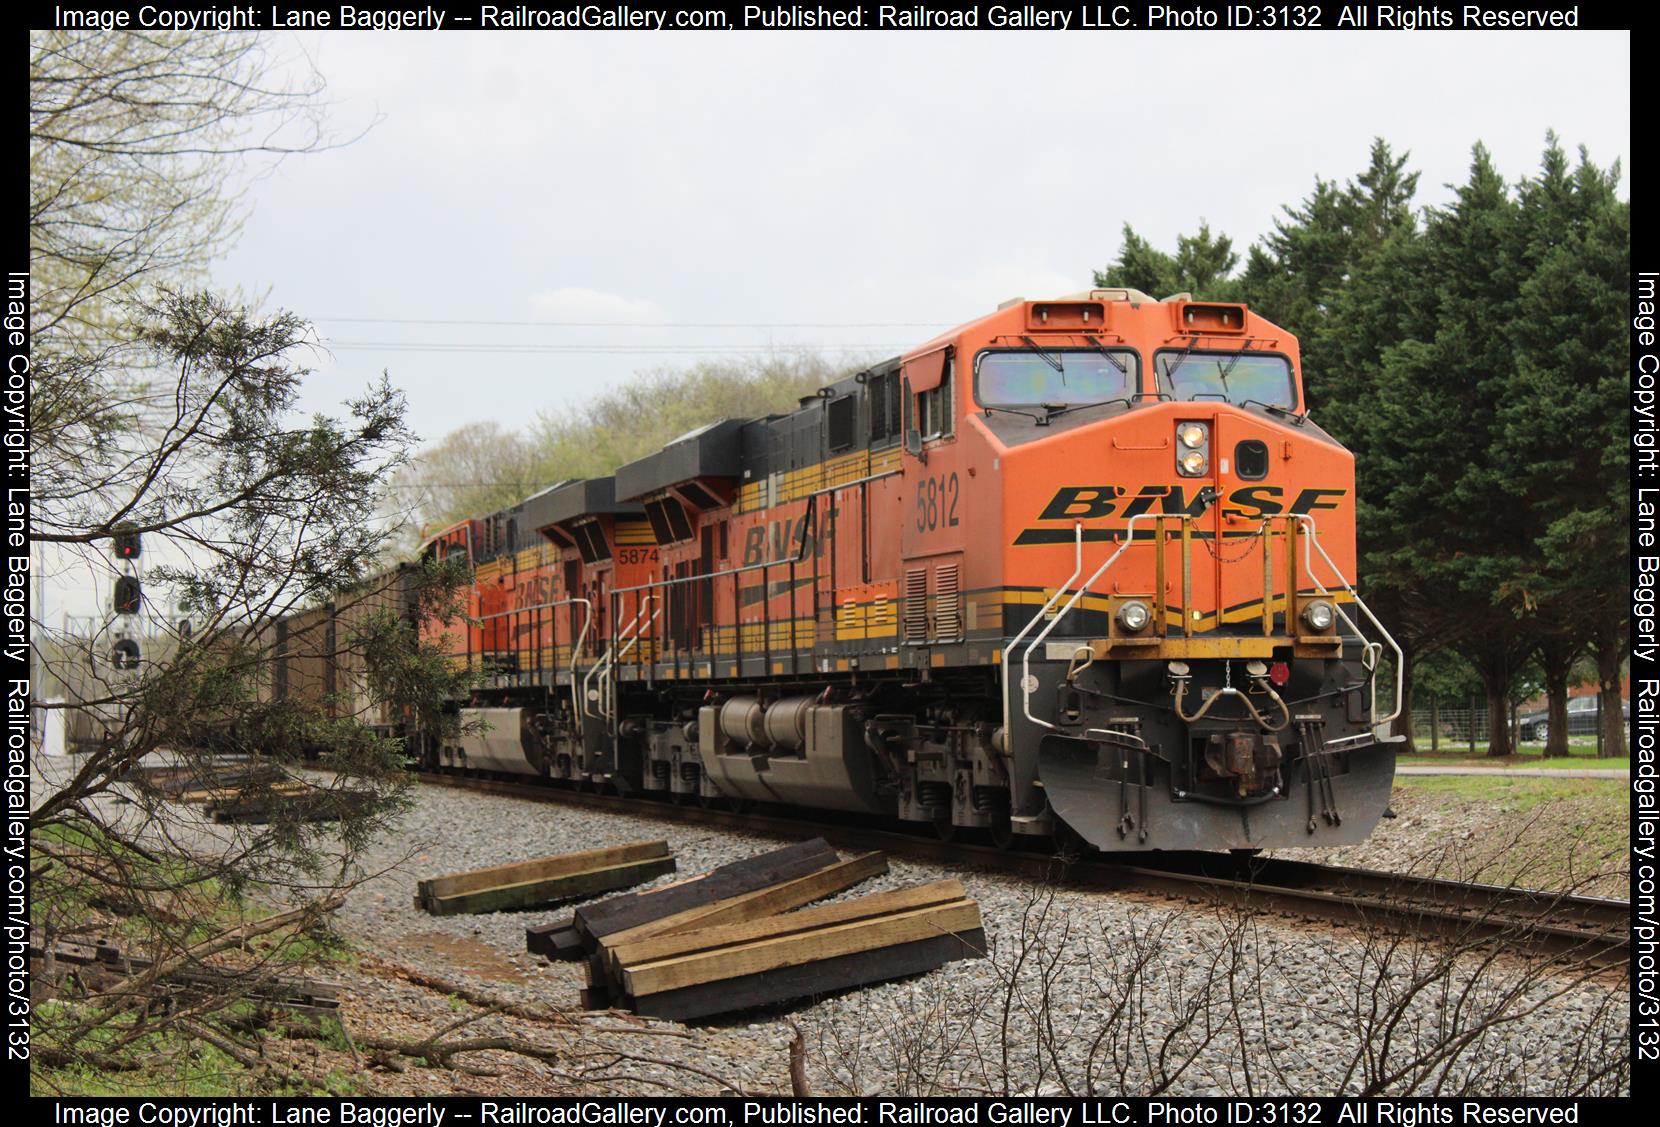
{"points": [[304, 804], [728, 939], [250, 793], [182, 983], [545, 880], [170, 781], [574, 936]]}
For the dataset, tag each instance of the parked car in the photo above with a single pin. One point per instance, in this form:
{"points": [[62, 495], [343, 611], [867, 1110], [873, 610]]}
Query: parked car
{"points": [[1583, 718]]}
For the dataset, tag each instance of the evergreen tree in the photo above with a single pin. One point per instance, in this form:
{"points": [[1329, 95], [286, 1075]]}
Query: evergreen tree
{"points": [[1140, 266], [1202, 265], [1562, 424], [1296, 274], [1441, 512]]}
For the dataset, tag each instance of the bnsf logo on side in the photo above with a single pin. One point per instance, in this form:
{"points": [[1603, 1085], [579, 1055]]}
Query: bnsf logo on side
{"points": [[781, 540], [1087, 502]]}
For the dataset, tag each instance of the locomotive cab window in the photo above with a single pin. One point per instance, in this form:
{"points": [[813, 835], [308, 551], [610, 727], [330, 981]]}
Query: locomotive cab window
{"points": [[934, 415], [1055, 377], [1228, 377]]}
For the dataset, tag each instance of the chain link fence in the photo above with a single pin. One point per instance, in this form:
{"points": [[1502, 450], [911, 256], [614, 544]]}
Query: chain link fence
{"points": [[1467, 726]]}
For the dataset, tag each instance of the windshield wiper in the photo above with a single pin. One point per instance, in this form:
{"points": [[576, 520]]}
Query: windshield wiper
{"points": [[1040, 420], [1123, 368], [1058, 410], [1223, 372], [1170, 366], [1046, 358], [1275, 408]]}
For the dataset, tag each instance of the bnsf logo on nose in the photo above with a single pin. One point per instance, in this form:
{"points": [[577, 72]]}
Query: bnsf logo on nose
{"points": [[1087, 502]]}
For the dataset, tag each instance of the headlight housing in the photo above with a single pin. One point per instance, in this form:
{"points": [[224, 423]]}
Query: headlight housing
{"points": [[1319, 616], [1192, 448], [1134, 616]]}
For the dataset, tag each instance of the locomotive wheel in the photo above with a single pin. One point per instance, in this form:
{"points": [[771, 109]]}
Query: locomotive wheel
{"points": [[679, 797], [1001, 832], [944, 828]]}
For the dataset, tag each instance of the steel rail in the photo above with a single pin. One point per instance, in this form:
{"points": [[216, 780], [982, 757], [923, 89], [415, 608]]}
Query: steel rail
{"points": [[1583, 930]]}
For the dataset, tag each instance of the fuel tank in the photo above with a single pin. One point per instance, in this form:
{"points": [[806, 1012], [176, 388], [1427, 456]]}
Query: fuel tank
{"points": [[496, 739], [795, 751]]}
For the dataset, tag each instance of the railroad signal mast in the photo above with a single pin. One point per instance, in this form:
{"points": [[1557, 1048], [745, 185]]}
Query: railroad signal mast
{"points": [[129, 599], [129, 595], [128, 545]]}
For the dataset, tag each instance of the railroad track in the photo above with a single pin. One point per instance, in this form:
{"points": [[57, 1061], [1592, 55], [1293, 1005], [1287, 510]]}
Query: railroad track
{"points": [[1583, 930]]}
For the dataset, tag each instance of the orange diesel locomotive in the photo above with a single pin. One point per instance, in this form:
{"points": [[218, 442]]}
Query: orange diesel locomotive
{"points": [[1082, 564]]}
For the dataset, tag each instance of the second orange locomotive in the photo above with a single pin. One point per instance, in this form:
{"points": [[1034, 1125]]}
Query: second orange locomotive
{"points": [[1084, 562]]}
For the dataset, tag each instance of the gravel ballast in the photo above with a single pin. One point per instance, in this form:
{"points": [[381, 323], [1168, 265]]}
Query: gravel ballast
{"points": [[1080, 992]]}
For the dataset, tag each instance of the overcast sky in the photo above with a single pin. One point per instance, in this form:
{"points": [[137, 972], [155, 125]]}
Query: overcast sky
{"points": [[722, 194]]}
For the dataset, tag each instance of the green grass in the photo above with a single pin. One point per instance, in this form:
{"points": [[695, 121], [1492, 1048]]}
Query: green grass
{"points": [[170, 1063], [215, 908], [1582, 752], [1536, 832], [1520, 794], [179, 1070], [1572, 763], [176, 1066]]}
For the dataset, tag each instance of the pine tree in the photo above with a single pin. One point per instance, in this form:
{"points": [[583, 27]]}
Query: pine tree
{"points": [[1140, 266], [1300, 270], [1444, 506], [1562, 424], [1202, 266]]}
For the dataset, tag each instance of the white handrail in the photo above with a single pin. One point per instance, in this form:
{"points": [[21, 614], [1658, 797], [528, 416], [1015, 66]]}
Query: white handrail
{"points": [[1310, 545], [1026, 658], [608, 684], [1311, 542], [605, 659], [608, 658], [1077, 570], [576, 646]]}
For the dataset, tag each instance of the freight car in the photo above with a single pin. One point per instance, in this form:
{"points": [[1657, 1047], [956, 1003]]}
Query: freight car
{"points": [[317, 656], [1079, 566]]}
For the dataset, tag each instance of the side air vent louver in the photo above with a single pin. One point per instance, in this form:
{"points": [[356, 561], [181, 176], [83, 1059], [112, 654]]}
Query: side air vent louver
{"points": [[948, 604], [916, 604]]}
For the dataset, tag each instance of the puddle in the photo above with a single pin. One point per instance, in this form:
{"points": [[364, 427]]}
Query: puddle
{"points": [[469, 955]]}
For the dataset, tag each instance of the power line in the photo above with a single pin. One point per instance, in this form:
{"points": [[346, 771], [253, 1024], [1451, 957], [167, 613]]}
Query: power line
{"points": [[704, 349], [451, 485], [642, 324]]}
